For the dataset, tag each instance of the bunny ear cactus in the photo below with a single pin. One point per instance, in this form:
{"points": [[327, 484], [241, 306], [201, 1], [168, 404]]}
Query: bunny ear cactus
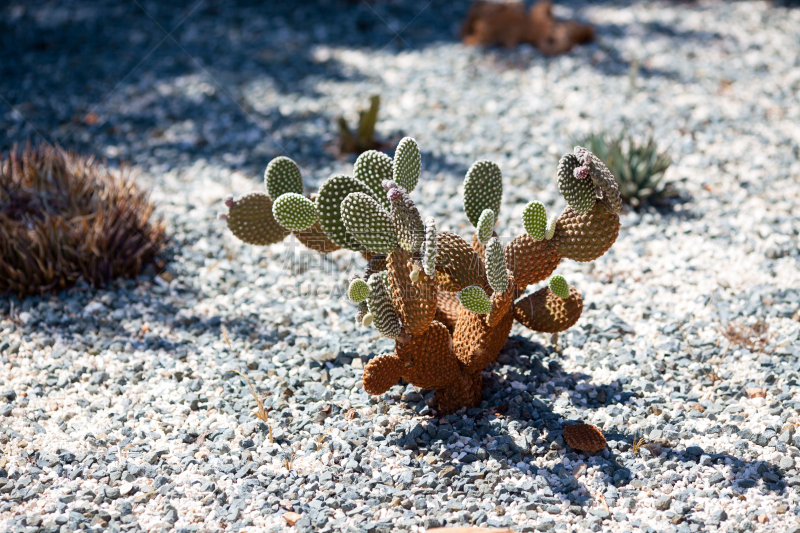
{"points": [[483, 189], [407, 164], [449, 305], [281, 176]]}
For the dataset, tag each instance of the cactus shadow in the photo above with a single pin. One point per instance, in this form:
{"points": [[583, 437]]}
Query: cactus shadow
{"points": [[517, 424]]}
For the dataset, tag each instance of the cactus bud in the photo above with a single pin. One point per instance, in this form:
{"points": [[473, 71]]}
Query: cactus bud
{"points": [[358, 291], [475, 299], [534, 218], [559, 287], [486, 226]]}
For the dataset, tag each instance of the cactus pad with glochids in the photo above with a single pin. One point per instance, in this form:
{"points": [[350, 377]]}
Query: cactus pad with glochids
{"points": [[449, 305]]}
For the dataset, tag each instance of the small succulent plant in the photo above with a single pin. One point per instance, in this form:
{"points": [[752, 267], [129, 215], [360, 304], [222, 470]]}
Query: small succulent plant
{"points": [[637, 167], [64, 217], [449, 305], [363, 137]]}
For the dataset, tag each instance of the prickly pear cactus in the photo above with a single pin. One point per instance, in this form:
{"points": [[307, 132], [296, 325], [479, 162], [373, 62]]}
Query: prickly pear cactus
{"points": [[449, 305]]}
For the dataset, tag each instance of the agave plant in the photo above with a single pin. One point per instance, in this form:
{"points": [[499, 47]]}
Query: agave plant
{"points": [[638, 167]]}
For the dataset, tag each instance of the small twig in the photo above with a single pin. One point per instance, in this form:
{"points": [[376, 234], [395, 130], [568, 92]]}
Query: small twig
{"points": [[261, 413]]}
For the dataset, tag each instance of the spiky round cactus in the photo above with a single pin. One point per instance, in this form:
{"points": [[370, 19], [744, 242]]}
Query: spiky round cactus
{"points": [[407, 163], [475, 299], [405, 217], [329, 202], [281, 176], [606, 189], [358, 291], [483, 189], [534, 218], [294, 211], [368, 222], [496, 266], [485, 226], [429, 247], [579, 193], [559, 286], [372, 168], [381, 307]]}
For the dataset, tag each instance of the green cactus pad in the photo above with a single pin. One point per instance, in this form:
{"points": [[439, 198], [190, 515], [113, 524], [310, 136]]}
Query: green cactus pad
{"points": [[329, 202], [250, 220], [534, 218], [475, 299], [429, 247], [405, 217], [358, 291], [486, 226], [606, 189], [559, 287], [368, 222], [551, 228], [371, 168], [381, 307], [281, 176], [407, 164], [496, 266], [579, 193], [294, 211], [483, 189]]}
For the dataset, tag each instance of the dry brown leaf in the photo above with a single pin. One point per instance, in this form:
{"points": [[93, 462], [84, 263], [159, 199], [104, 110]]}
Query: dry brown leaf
{"points": [[291, 517]]}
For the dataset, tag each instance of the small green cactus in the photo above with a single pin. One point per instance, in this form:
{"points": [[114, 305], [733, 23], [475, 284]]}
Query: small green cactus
{"points": [[281, 176], [579, 193], [407, 164], [486, 226], [475, 299], [429, 247], [534, 218], [294, 211], [329, 202], [381, 307], [496, 266], [483, 189], [358, 291], [559, 287], [372, 168], [368, 222]]}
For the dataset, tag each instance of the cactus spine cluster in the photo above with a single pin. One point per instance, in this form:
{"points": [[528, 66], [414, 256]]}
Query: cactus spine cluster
{"points": [[449, 305]]}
